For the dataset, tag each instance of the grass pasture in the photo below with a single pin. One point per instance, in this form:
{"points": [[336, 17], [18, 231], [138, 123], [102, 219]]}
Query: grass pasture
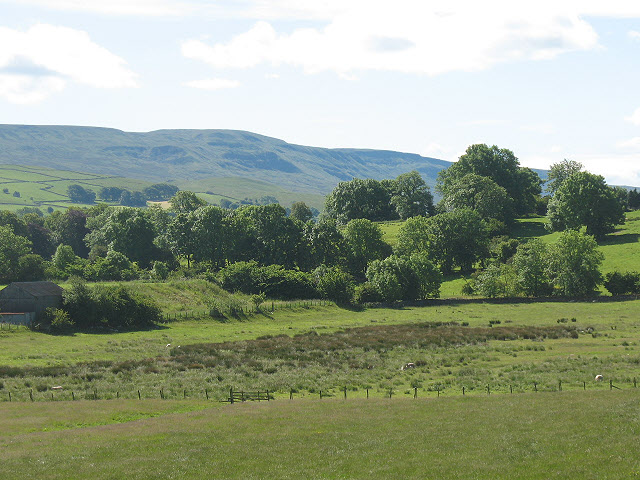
{"points": [[327, 348], [43, 187], [568, 435]]}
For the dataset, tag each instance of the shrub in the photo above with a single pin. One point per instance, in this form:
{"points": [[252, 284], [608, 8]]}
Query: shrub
{"points": [[366, 293], [114, 307], [160, 270], [59, 320], [334, 284], [273, 280], [621, 283]]}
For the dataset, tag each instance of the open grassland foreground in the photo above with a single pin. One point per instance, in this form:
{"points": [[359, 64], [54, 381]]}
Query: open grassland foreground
{"points": [[506, 347], [568, 435]]}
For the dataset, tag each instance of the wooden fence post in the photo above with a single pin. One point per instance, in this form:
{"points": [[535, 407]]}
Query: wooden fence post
{"points": [[488, 390], [634, 382], [415, 392], [584, 385], [139, 396], [367, 392], [31, 394], [345, 392], [231, 394], [463, 391], [559, 385], [535, 386], [206, 393], [9, 396], [511, 389]]}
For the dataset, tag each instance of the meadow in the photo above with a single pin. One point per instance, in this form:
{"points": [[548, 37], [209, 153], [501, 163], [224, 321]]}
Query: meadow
{"points": [[45, 187], [503, 389], [566, 435], [508, 347]]}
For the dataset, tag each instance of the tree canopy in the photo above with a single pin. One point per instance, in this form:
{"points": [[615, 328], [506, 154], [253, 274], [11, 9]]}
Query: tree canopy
{"points": [[584, 199], [503, 167]]}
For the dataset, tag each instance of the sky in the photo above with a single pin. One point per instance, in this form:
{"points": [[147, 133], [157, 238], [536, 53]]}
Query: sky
{"points": [[548, 80]]}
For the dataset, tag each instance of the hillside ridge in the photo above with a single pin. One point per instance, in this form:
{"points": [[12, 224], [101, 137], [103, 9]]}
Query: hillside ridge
{"points": [[178, 155]]}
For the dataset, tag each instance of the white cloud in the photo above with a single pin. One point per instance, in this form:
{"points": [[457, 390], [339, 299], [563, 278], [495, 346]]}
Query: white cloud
{"points": [[272, 76], [410, 36], [113, 7], [212, 84], [616, 169], [634, 117], [542, 128], [436, 150], [44, 59], [631, 143], [634, 35], [556, 148]]}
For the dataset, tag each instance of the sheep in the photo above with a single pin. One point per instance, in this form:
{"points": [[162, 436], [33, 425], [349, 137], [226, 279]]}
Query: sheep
{"points": [[407, 366], [599, 378], [168, 345], [58, 387]]}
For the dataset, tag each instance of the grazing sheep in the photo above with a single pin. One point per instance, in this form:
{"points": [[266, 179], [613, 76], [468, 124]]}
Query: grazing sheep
{"points": [[409, 365], [59, 387], [599, 378], [168, 345]]}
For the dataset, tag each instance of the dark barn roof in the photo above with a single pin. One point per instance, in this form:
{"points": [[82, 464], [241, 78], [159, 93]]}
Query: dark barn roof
{"points": [[38, 289]]}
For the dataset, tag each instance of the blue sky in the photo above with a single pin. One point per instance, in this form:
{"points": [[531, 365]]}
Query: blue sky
{"points": [[550, 80]]}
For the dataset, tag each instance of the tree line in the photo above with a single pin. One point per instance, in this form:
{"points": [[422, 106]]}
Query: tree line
{"points": [[287, 254], [122, 196]]}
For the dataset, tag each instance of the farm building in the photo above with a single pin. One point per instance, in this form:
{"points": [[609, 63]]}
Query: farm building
{"points": [[29, 298]]}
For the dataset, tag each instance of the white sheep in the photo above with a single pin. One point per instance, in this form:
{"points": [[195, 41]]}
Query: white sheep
{"points": [[599, 378], [168, 345]]}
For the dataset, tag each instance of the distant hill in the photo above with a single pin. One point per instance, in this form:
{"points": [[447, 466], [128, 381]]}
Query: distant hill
{"points": [[197, 156]]}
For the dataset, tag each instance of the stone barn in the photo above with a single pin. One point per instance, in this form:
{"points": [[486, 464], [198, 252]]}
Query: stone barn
{"points": [[28, 297]]}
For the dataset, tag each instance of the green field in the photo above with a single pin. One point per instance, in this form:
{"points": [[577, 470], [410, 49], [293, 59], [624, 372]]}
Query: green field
{"points": [[545, 417], [592, 435], [44, 187], [235, 189]]}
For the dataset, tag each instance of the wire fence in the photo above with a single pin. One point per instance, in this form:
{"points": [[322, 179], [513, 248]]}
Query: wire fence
{"points": [[58, 393]]}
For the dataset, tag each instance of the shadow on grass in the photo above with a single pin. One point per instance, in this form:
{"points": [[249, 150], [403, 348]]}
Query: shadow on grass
{"points": [[529, 230], [621, 239]]}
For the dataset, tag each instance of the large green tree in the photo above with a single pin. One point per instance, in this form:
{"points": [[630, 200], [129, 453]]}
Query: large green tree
{"points": [[574, 264], [503, 167], [127, 230], [363, 244], [559, 172], [584, 199], [185, 201], [359, 198], [12, 248], [481, 194], [411, 196], [530, 263]]}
